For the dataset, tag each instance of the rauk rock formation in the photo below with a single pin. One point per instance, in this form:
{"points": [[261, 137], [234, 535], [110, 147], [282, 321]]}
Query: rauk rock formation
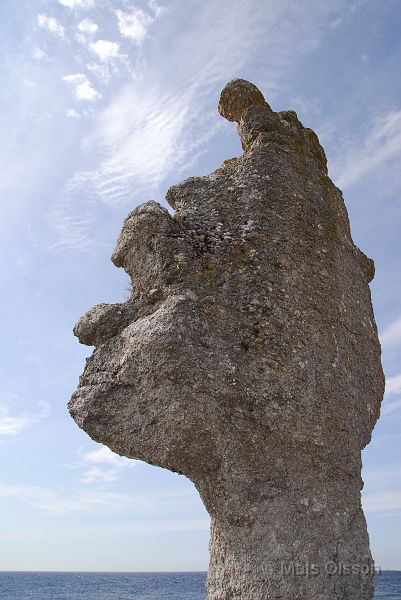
{"points": [[247, 358]]}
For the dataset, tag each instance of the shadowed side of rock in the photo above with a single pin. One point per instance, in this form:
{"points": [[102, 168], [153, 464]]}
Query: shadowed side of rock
{"points": [[247, 358]]}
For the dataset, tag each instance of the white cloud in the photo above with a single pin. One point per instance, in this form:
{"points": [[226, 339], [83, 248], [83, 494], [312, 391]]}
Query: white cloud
{"points": [[62, 502], [157, 127], [104, 455], [389, 407], [379, 475], [72, 113], [72, 230], [65, 502], [105, 49], [382, 144], [96, 474], [134, 24], [381, 501], [83, 87], [51, 25], [88, 26], [12, 423], [393, 385], [160, 122], [393, 388], [392, 333], [78, 3], [38, 53], [157, 526], [104, 465], [163, 125]]}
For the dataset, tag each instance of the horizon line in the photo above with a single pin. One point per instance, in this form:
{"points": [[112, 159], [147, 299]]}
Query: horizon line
{"points": [[94, 571], [136, 572]]}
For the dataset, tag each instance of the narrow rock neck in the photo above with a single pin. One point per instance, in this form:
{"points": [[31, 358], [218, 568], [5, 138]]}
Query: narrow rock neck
{"points": [[295, 549]]}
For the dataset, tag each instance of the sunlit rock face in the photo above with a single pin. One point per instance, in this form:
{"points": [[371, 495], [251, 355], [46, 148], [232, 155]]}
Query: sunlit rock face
{"points": [[247, 359]]}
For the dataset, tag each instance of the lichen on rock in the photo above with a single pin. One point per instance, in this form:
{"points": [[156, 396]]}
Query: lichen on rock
{"points": [[248, 360]]}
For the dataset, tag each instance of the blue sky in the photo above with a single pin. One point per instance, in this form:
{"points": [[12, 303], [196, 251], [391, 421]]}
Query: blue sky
{"points": [[104, 105]]}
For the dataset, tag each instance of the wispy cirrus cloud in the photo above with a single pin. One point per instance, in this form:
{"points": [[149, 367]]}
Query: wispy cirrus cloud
{"points": [[13, 422], [387, 500], [51, 25], [382, 144], [163, 125], [153, 527], [393, 388], [154, 131], [393, 385], [161, 119], [65, 502], [389, 406], [381, 493], [380, 475], [71, 229], [391, 335]]}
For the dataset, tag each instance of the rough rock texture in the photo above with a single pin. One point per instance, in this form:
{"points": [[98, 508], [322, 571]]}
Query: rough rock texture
{"points": [[247, 358]]}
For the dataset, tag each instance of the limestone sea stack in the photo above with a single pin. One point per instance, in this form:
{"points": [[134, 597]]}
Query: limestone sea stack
{"points": [[247, 358]]}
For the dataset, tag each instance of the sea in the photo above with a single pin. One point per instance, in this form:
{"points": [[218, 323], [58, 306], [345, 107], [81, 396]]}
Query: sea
{"points": [[135, 586]]}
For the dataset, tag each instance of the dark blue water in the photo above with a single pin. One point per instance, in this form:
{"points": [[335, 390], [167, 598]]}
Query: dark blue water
{"points": [[388, 585], [102, 586], [135, 586]]}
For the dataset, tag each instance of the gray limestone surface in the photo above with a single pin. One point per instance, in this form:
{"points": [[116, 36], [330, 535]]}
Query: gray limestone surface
{"points": [[247, 358]]}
